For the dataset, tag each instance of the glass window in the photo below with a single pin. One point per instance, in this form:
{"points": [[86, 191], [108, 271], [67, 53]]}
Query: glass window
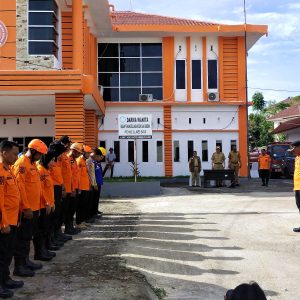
{"points": [[111, 94], [212, 74], [130, 151], [102, 144], [108, 65], [130, 65], [109, 79], [145, 151], [42, 5], [152, 79], [232, 144], [176, 151], [156, 92], [152, 64], [42, 48], [130, 94], [204, 151], [42, 18], [180, 74], [108, 50], [42, 33], [130, 50], [196, 74], [130, 79], [117, 150], [159, 151], [151, 50], [219, 144], [190, 149]]}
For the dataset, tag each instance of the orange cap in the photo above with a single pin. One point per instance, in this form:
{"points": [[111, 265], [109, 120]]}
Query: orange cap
{"points": [[87, 149], [77, 146], [38, 145]]}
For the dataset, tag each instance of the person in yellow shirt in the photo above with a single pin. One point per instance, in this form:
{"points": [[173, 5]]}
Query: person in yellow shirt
{"points": [[264, 165], [234, 163], [296, 150], [218, 163]]}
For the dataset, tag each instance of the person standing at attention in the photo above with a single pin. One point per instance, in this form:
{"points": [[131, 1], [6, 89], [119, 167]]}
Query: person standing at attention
{"points": [[195, 168], [218, 163], [234, 163], [264, 164], [110, 162]]}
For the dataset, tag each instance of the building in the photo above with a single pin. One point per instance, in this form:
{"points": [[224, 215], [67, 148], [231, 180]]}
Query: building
{"points": [[70, 67]]}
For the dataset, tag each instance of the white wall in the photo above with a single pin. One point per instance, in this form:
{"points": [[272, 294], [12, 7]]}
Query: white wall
{"points": [[293, 135], [37, 128]]}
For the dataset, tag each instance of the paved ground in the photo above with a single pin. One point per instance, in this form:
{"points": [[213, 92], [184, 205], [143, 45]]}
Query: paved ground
{"points": [[191, 243]]}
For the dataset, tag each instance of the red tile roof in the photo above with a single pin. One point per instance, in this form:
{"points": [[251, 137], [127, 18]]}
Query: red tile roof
{"points": [[134, 18], [290, 112], [288, 125]]}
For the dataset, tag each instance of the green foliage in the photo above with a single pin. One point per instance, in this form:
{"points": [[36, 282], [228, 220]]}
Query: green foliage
{"points": [[259, 102], [160, 293]]}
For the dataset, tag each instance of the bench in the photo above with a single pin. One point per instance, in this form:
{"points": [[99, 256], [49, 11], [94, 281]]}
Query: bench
{"points": [[225, 174]]}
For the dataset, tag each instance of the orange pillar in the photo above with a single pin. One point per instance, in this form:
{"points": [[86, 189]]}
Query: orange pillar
{"points": [[168, 158], [243, 140], [168, 67], [77, 22], [91, 128]]}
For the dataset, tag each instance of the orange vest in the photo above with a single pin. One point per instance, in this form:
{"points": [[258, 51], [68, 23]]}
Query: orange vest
{"points": [[47, 195], [297, 174], [84, 180], [66, 172], [56, 173], [10, 197], [75, 173], [29, 182], [264, 162]]}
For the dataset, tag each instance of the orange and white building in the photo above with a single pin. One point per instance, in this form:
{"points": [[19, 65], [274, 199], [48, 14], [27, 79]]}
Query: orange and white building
{"points": [[71, 66]]}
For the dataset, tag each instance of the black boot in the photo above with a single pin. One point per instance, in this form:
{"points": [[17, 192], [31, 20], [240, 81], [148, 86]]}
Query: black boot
{"points": [[21, 269], [40, 250], [33, 266], [4, 292], [51, 246], [62, 237], [12, 284], [56, 242]]}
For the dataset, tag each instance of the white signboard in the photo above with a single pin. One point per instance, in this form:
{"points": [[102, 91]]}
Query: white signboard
{"points": [[135, 126]]}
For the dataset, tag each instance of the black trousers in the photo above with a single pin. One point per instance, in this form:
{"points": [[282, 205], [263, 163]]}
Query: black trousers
{"points": [[111, 170], [56, 216], [297, 197], [95, 201], [72, 209], [65, 207], [82, 207], [264, 175], [25, 232], [42, 231], [7, 244]]}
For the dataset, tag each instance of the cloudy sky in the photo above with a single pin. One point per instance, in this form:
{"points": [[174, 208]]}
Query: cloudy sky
{"points": [[274, 62]]}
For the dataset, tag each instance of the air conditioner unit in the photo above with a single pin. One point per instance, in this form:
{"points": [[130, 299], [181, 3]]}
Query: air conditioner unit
{"points": [[213, 97], [146, 97]]}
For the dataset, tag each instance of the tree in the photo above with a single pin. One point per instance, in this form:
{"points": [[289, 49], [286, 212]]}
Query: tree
{"points": [[258, 101]]}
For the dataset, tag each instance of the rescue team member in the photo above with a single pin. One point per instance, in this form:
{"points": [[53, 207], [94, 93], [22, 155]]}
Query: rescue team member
{"points": [[57, 237], [218, 163], [28, 179], [9, 210], [84, 187], [76, 149], [96, 179], [264, 165], [234, 163], [296, 150], [195, 168]]}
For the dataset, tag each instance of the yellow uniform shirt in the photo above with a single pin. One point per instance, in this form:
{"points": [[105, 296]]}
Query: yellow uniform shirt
{"points": [[297, 174]]}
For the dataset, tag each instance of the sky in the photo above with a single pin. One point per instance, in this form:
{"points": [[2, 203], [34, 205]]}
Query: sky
{"points": [[273, 62]]}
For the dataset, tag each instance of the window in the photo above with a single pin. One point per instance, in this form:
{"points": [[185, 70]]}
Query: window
{"points": [[42, 27], [219, 144], [204, 120], [190, 149], [130, 151], [45, 120], [145, 151], [30, 121], [127, 70], [159, 151], [117, 150], [176, 151], [190, 120], [232, 144], [18, 121], [158, 120], [4, 121], [204, 151], [212, 74], [180, 74], [196, 74], [102, 144]]}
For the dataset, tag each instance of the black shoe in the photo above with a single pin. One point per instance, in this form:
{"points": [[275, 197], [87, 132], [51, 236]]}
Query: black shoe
{"points": [[263, 184], [50, 253], [42, 257], [90, 221], [23, 271], [33, 266], [297, 229], [72, 231], [63, 237], [237, 184], [13, 284], [5, 293], [100, 212], [52, 247]]}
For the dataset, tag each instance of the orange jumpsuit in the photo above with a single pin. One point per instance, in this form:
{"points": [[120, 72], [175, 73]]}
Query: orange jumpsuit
{"points": [[66, 172], [75, 172], [56, 172], [84, 180], [47, 195]]}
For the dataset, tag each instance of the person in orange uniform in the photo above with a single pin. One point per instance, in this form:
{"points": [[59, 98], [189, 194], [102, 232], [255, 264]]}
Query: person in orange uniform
{"points": [[84, 187], [29, 183], [9, 211], [76, 150], [296, 150], [55, 169], [264, 165]]}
